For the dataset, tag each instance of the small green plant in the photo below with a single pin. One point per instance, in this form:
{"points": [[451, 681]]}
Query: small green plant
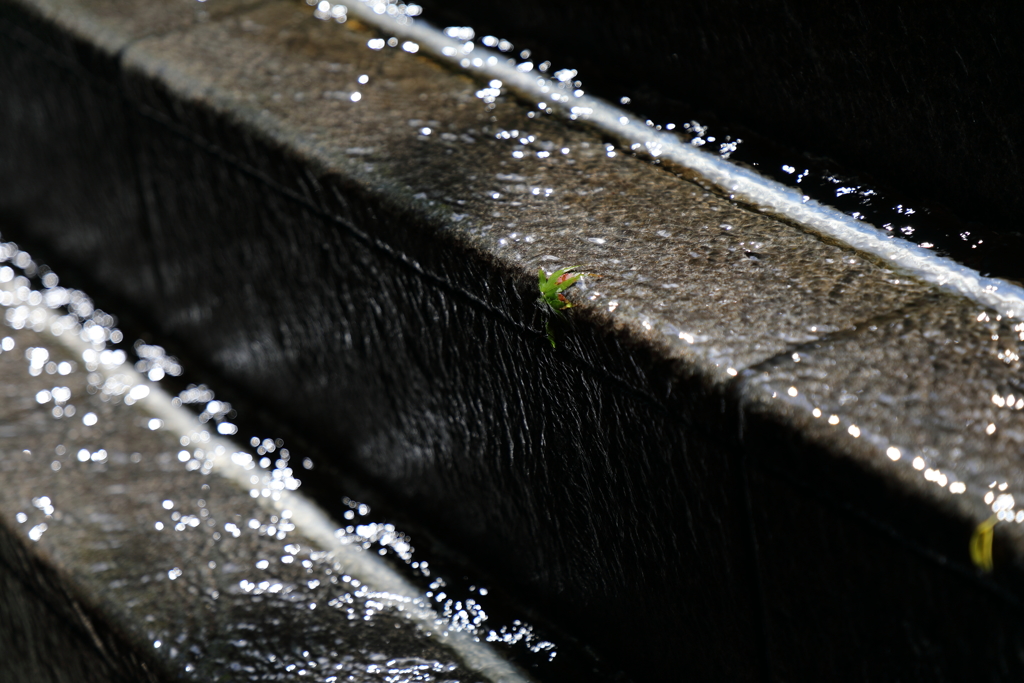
{"points": [[551, 288]]}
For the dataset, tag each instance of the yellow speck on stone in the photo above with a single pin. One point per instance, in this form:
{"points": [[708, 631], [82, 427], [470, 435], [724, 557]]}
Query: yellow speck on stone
{"points": [[981, 544]]}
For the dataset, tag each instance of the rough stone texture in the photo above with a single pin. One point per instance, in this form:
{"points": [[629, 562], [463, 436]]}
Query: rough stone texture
{"points": [[927, 381], [923, 381], [743, 286], [368, 268], [96, 31], [443, 400], [133, 552], [41, 619], [416, 339]]}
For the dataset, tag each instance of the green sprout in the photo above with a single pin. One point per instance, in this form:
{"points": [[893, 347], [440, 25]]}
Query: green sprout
{"points": [[551, 288]]}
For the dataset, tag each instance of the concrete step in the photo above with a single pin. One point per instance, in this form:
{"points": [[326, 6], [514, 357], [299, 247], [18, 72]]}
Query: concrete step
{"points": [[137, 546], [747, 439]]}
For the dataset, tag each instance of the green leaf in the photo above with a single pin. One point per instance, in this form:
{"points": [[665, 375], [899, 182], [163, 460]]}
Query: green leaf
{"points": [[550, 288], [550, 283], [566, 284]]}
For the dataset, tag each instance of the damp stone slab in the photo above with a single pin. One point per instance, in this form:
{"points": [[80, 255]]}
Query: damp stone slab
{"points": [[506, 181], [352, 235], [131, 550], [935, 388], [913, 424], [390, 223]]}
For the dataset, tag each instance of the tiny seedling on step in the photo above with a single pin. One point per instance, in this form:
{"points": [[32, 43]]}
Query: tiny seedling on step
{"points": [[551, 288]]}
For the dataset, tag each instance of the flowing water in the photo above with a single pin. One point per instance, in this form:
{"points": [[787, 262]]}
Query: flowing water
{"points": [[88, 374]]}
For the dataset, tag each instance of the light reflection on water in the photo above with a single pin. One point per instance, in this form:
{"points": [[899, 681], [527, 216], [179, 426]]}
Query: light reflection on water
{"points": [[271, 455], [93, 373], [820, 179], [555, 85], [855, 211], [955, 434]]}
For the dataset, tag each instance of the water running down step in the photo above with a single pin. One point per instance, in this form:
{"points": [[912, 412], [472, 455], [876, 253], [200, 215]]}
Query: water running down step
{"points": [[759, 450], [166, 551]]}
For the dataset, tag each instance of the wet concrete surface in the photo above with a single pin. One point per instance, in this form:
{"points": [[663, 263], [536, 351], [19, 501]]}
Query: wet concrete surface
{"points": [[157, 566], [935, 387], [912, 425], [588, 563], [367, 267], [466, 181]]}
